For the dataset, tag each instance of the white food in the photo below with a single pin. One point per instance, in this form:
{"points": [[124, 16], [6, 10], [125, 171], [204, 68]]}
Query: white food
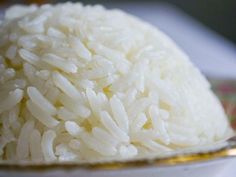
{"points": [[82, 83]]}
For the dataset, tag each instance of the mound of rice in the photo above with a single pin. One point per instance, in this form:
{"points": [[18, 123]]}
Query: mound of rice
{"points": [[82, 83]]}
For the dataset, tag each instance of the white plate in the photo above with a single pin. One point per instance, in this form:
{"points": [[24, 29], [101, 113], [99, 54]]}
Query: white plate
{"points": [[210, 161], [206, 169]]}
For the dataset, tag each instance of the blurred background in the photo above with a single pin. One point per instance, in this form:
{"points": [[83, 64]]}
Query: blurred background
{"points": [[205, 29], [219, 15]]}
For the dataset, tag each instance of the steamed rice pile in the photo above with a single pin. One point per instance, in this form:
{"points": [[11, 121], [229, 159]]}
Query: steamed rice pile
{"points": [[82, 83]]}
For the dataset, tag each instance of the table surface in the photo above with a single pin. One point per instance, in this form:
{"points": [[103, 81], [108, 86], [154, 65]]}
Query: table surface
{"points": [[213, 54]]}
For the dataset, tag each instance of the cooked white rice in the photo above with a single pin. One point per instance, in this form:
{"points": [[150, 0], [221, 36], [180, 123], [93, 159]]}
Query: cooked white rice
{"points": [[82, 83]]}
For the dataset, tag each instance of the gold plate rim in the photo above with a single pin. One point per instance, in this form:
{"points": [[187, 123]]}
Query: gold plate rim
{"points": [[228, 151]]}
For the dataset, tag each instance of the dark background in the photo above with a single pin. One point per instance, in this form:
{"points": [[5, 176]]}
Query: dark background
{"points": [[219, 15]]}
